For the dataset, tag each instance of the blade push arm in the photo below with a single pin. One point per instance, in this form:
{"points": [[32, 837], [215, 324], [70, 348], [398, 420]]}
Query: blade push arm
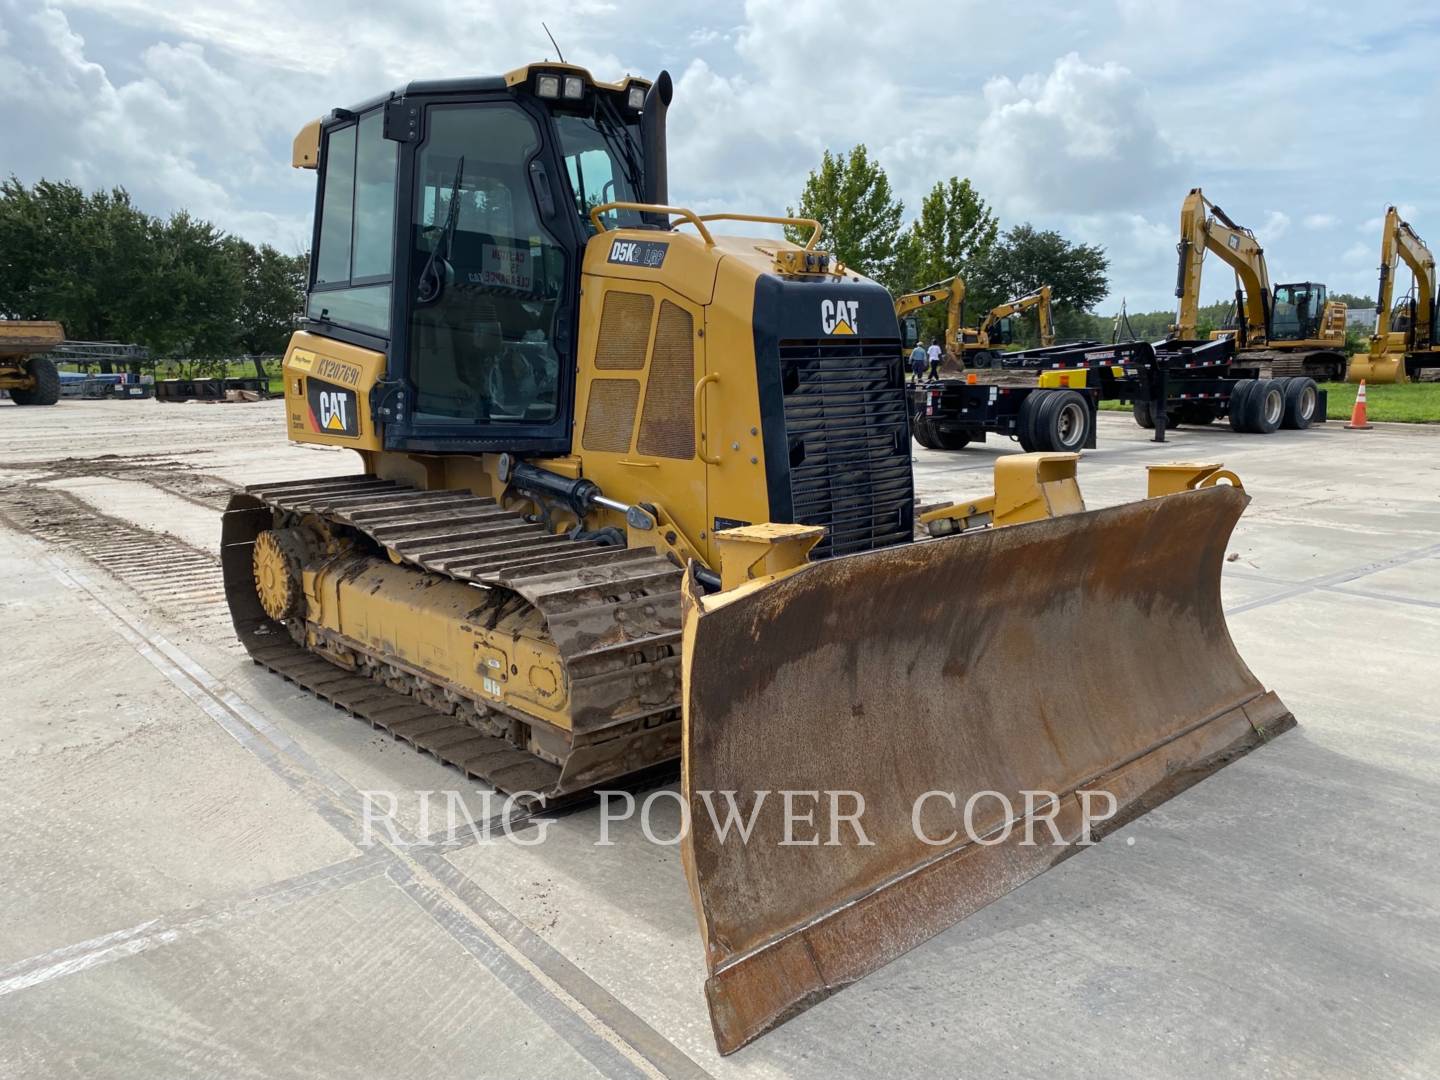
{"points": [[1204, 226]]}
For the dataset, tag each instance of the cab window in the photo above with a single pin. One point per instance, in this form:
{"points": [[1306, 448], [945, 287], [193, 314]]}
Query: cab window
{"points": [[602, 157], [486, 278], [354, 257]]}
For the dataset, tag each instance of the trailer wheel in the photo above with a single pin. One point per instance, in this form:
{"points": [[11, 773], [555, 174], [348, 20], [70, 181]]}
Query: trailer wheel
{"points": [[1141, 411], [924, 433], [46, 390], [1027, 424], [1239, 403], [1301, 399], [1266, 407], [1062, 422], [985, 358]]}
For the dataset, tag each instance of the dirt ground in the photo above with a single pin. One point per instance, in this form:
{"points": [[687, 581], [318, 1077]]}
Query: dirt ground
{"points": [[188, 891]]}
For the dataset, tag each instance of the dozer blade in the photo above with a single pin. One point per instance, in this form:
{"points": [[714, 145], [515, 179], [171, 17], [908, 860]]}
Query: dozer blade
{"points": [[1077, 655]]}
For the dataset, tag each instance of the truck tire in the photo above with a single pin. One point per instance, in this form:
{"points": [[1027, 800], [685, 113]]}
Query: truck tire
{"points": [[1266, 406], [924, 433], [46, 390], [1239, 403], [1301, 399], [1028, 422], [933, 438], [1062, 422], [1141, 411], [985, 358]]}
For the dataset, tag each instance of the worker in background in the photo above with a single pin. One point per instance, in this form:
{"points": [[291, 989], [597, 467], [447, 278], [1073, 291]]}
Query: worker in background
{"points": [[917, 362], [935, 355]]}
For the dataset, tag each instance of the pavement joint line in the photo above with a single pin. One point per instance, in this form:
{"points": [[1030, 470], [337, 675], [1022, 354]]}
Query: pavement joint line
{"points": [[337, 802], [1339, 577], [1339, 589], [166, 929]]}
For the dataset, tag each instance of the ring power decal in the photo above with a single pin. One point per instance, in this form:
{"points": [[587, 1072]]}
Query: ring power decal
{"points": [[840, 316], [333, 409]]}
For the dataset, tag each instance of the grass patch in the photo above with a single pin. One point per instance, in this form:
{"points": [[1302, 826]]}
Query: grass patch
{"points": [[1413, 403]]}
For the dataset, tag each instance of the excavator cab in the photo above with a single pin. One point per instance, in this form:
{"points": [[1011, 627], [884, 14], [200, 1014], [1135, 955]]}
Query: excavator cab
{"points": [[1298, 311]]}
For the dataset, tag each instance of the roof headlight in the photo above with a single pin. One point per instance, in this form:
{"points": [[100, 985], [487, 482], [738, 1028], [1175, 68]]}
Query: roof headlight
{"points": [[548, 86], [574, 88], [636, 98]]}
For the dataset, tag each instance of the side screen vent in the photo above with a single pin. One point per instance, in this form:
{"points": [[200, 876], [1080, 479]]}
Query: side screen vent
{"points": [[610, 415], [624, 331], [667, 426]]}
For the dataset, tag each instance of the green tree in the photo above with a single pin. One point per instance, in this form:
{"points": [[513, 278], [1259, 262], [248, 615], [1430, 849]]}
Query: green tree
{"points": [[1355, 303], [272, 297], [1025, 258], [955, 227], [850, 195]]}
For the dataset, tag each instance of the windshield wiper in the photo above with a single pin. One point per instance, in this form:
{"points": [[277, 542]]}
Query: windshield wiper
{"points": [[437, 268]]}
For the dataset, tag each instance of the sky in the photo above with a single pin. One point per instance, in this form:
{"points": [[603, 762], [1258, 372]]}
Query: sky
{"points": [[1304, 120]]}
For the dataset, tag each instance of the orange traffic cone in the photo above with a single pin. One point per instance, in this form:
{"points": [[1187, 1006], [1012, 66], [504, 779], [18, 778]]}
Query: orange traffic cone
{"points": [[1358, 422]]}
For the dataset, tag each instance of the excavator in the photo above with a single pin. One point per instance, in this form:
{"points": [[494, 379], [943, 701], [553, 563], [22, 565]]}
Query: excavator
{"points": [[1293, 330], [1406, 337], [974, 346], [631, 490]]}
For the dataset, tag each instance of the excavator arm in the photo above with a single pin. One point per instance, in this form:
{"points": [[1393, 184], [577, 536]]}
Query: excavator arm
{"points": [[1400, 241], [1385, 360], [1204, 226], [1040, 299], [951, 293]]}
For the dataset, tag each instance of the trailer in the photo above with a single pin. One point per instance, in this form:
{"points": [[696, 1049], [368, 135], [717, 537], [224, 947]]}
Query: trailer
{"points": [[1174, 383], [949, 414]]}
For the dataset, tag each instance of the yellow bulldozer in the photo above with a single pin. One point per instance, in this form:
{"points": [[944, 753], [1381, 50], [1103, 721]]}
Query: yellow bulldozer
{"points": [[29, 376], [634, 491], [1407, 335], [972, 346], [1293, 330]]}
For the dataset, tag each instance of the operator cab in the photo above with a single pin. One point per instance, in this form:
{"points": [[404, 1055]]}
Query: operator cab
{"points": [[1297, 312], [451, 219]]}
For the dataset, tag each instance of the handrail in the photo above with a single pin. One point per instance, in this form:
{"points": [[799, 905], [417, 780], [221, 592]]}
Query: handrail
{"points": [[768, 219], [701, 435], [652, 208]]}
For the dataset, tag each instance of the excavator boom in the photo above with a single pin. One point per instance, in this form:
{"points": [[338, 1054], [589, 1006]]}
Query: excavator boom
{"points": [[1385, 361]]}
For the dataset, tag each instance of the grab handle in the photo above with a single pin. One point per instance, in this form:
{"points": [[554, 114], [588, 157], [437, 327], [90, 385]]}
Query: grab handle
{"points": [[700, 386]]}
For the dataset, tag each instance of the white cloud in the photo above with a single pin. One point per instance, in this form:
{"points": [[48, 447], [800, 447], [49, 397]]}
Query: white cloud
{"points": [[1093, 119]]}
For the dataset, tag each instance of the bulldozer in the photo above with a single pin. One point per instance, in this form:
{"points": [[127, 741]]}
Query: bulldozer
{"points": [[978, 346], [25, 371], [1407, 335], [634, 490], [1292, 330]]}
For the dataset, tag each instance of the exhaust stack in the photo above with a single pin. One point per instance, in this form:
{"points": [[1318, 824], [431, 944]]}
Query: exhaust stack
{"points": [[652, 144]]}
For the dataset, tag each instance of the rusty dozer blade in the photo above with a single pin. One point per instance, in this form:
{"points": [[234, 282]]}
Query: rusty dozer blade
{"points": [[1077, 655]]}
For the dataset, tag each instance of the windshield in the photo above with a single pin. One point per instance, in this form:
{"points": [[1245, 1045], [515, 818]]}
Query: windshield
{"points": [[602, 162]]}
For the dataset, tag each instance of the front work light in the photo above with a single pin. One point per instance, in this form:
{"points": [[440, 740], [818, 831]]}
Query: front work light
{"points": [[636, 99], [574, 88], [548, 86]]}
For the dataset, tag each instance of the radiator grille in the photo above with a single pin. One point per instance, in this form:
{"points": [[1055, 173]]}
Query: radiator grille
{"points": [[667, 424], [624, 331], [848, 436], [610, 415]]}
